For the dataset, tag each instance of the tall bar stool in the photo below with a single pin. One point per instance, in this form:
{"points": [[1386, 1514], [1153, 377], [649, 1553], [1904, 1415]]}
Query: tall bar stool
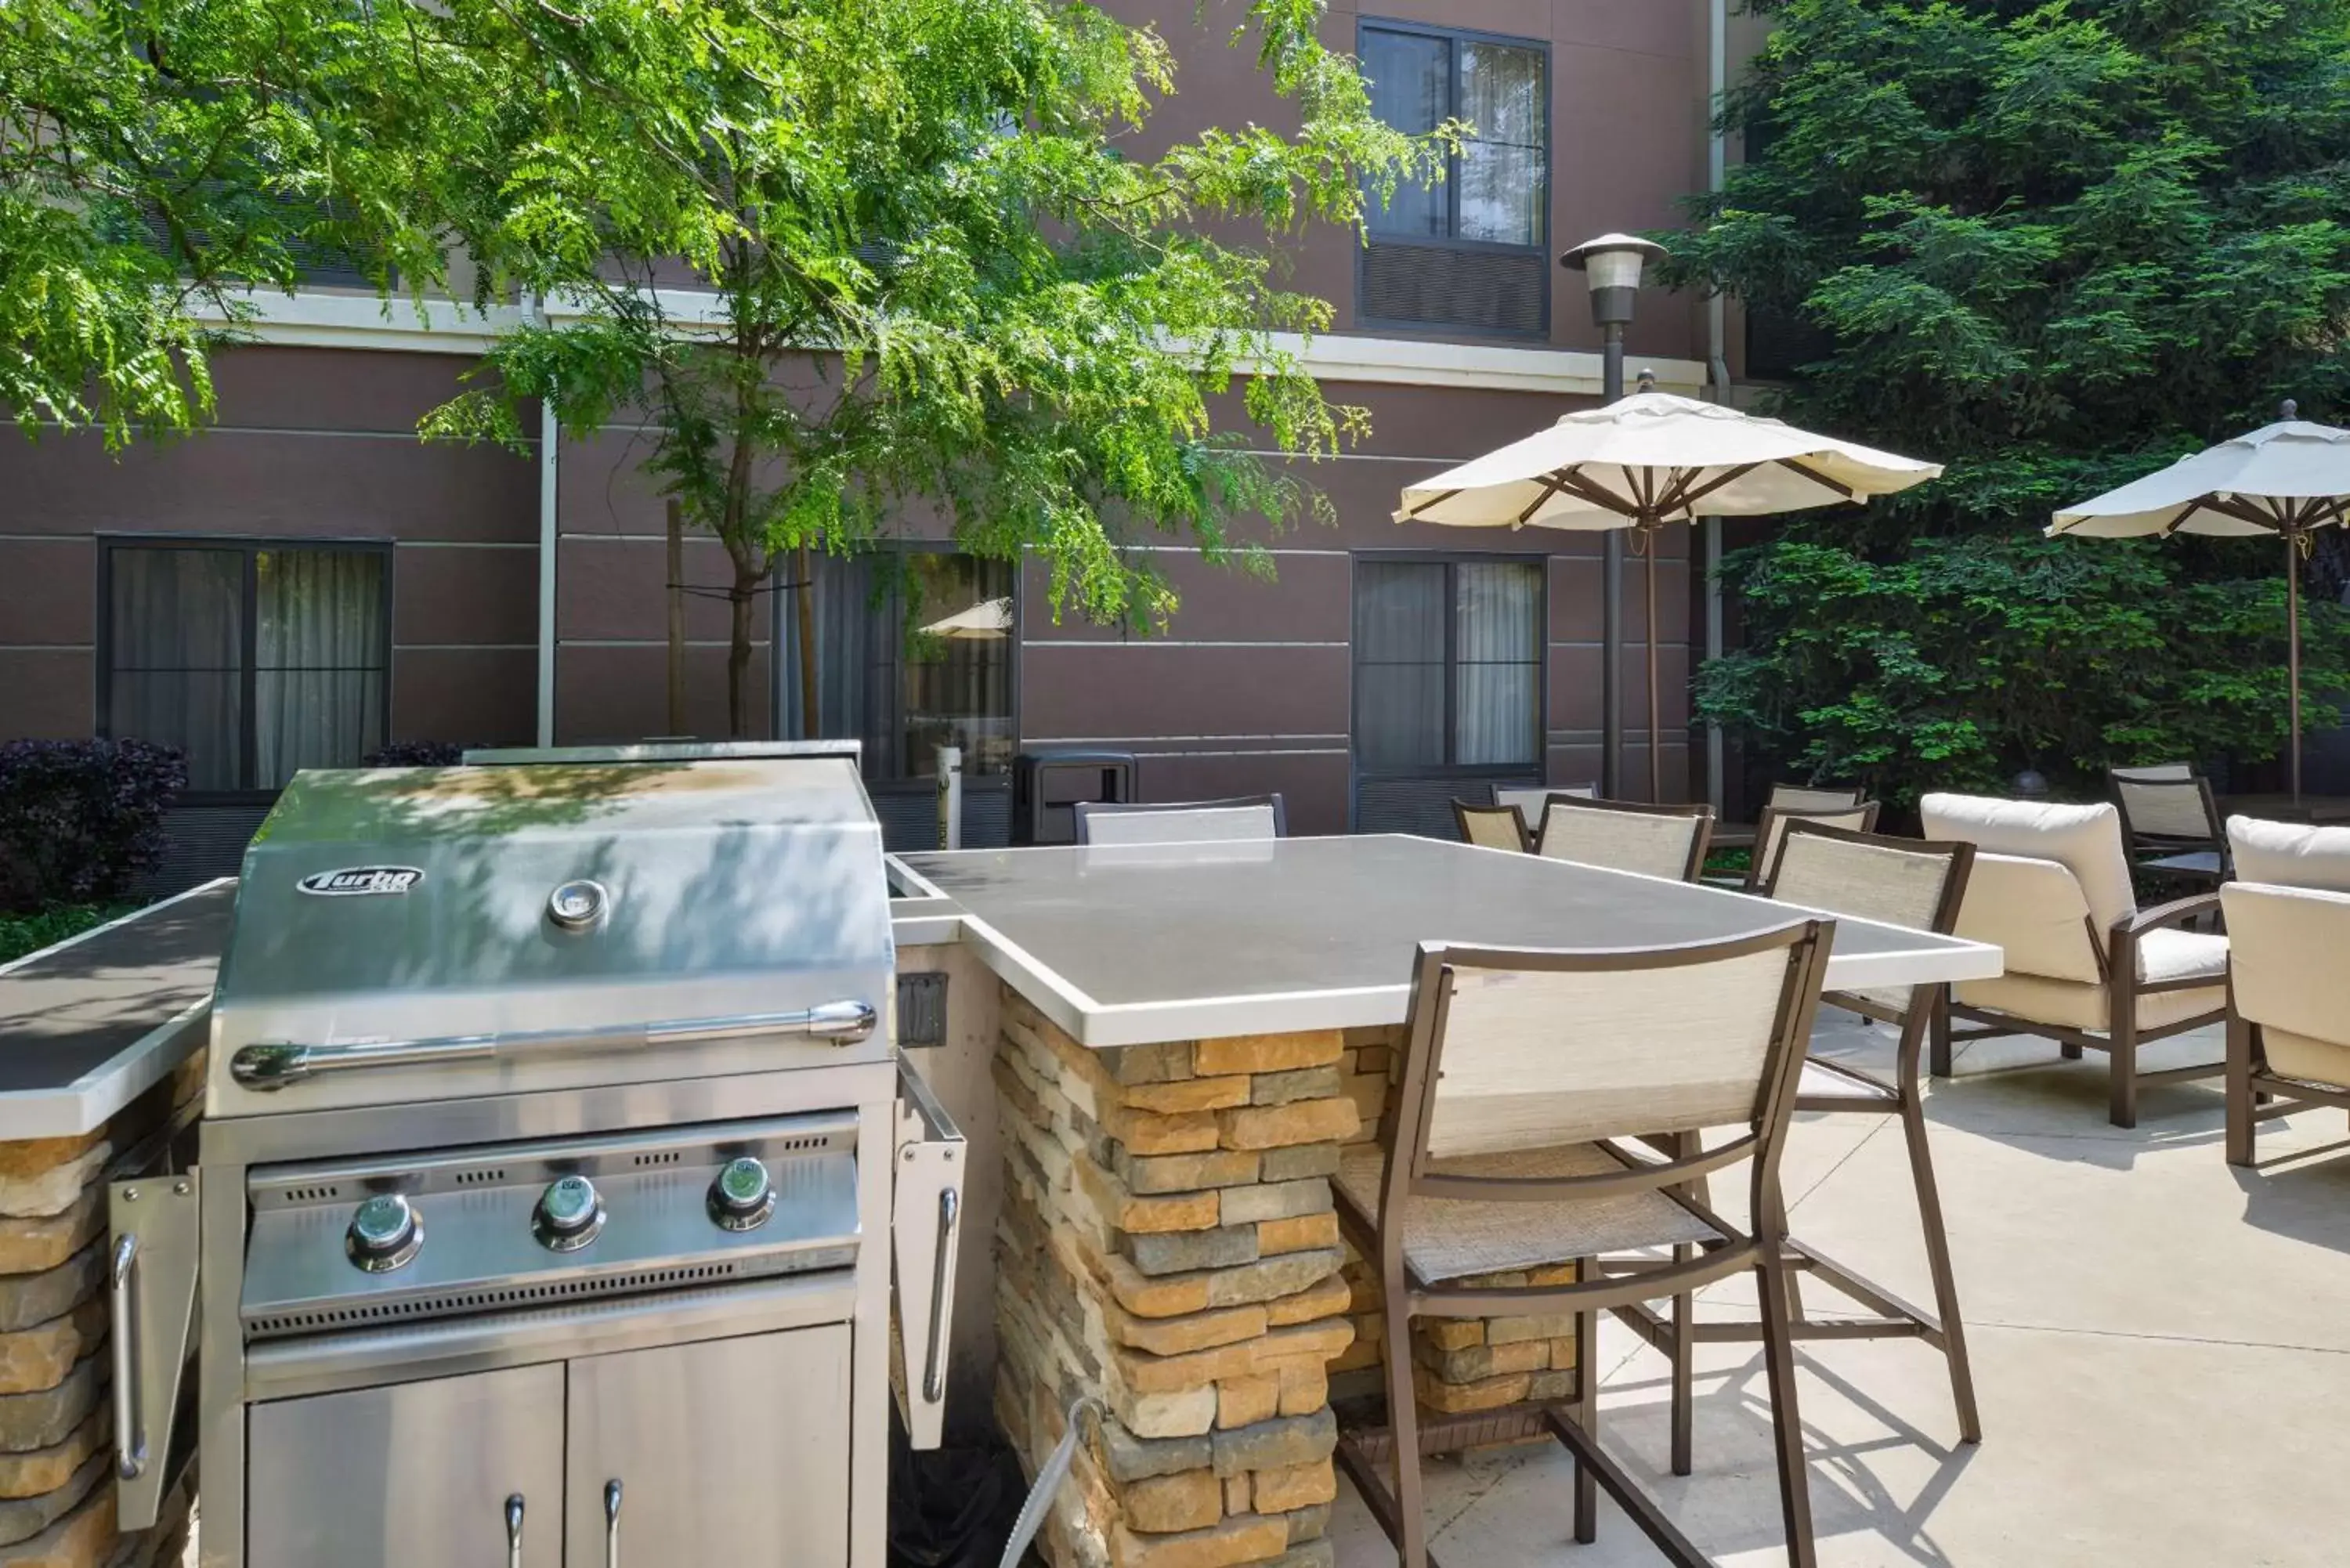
{"points": [[1507, 1150], [1901, 882]]}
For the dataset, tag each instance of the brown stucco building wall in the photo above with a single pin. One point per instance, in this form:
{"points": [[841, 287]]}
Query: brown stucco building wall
{"points": [[1249, 690]]}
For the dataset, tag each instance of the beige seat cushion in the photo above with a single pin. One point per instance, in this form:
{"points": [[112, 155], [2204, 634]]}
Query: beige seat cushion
{"points": [[2167, 953], [2034, 998], [2086, 839], [2289, 854], [2290, 968], [1451, 1238]]}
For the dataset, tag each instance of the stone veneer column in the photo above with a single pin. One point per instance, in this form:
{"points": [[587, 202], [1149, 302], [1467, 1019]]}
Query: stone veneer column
{"points": [[57, 1416], [1168, 1242], [1460, 1366]]}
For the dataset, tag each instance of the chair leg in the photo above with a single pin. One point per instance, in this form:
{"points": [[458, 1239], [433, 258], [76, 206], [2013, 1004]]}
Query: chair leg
{"points": [[1786, 1426], [1586, 1413], [2123, 1087], [1684, 1402], [1938, 1048], [1403, 1419], [2240, 1098], [2070, 1052], [1937, 1262]]}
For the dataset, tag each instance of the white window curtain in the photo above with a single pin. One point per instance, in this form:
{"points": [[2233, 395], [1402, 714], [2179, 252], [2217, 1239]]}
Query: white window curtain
{"points": [[1448, 665], [319, 661], [1497, 649]]}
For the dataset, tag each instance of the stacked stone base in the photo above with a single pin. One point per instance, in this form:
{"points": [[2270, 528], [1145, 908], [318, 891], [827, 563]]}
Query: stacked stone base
{"points": [[57, 1419], [1460, 1367], [1169, 1243]]}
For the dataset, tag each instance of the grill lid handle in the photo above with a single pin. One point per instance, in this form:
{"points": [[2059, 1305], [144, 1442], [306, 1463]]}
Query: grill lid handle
{"points": [[272, 1064]]}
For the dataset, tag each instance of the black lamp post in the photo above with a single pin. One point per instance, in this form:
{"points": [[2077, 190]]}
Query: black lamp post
{"points": [[1613, 263]]}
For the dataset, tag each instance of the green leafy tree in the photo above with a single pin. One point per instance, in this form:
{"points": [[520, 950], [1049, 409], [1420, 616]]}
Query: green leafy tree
{"points": [[2054, 244], [158, 161], [851, 259]]}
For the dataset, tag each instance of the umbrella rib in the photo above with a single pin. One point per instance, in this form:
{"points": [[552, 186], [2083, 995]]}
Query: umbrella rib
{"points": [[1549, 487], [1729, 476], [1816, 477], [1573, 482], [1432, 500]]}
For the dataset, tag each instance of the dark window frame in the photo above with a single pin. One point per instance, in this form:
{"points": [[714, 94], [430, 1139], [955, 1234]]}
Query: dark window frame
{"points": [[1449, 559], [1451, 242], [251, 546], [787, 686]]}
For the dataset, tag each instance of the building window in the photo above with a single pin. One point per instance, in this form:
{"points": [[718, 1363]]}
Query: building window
{"points": [[914, 651], [256, 660], [1471, 250], [1448, 666]]}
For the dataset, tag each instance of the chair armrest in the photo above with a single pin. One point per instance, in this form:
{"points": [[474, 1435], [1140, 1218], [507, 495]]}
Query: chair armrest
{"points": [[2173, 913]]}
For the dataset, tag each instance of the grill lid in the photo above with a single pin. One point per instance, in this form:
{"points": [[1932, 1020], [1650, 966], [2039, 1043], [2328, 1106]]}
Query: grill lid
{"points": [[544, 904]]}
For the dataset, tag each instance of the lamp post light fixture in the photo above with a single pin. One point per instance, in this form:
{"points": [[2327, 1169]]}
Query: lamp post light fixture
{"points": [[1613, 264]]}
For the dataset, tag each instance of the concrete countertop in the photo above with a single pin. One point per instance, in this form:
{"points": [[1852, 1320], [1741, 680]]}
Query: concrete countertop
{"points": [[89, 1026], [1128, 945]]}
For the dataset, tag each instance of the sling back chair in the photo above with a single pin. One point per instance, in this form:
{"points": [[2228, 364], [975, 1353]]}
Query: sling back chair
{"points": [[1509, 1147], [1898, 882]]}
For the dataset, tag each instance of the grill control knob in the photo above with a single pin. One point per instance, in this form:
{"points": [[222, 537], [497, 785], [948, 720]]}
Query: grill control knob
{"points": [[742, 1196], [569, 1214], [385, 1234]]}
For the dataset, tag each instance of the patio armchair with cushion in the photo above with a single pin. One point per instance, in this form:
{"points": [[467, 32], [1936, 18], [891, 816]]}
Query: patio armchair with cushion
{"points": [[2289, 854], [1493, 826], [1656, 840], [2288, 1004], [1509, 1150], [2170, 821], [2086, 966], [1181, 822]]}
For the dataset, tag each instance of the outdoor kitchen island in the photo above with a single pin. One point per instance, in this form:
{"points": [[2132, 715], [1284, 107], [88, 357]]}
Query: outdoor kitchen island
{"points": [[1189, 1035]]}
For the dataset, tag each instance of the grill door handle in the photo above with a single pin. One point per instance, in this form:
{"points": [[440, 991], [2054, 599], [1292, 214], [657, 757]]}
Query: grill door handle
{"points": [[129, 1426], [612, 1524], [272, 1064], [934, 1377], [514, 1531]]}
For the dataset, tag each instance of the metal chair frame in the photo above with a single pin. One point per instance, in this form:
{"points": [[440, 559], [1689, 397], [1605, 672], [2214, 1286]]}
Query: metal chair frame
{"points": [[1403, 1132], [1896, 1318], [2117, 969]]}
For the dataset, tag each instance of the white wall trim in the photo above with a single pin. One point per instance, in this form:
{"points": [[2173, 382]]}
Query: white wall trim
{"points": [[319, 319]]}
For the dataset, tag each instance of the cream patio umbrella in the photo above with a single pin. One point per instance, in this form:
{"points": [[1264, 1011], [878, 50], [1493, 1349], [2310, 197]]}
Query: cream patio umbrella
{"points": [[2291, 479], [986, 620], [1648, 459]]}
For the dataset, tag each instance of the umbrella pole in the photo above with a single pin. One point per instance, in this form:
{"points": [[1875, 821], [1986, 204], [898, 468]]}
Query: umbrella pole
{"points": [[2293, 650], [1656, 711]]}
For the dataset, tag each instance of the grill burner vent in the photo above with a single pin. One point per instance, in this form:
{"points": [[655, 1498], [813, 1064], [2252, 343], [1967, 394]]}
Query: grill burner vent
{"points": [[375, 1314], [667, 1157], [479, 1178], [313, 1194]]}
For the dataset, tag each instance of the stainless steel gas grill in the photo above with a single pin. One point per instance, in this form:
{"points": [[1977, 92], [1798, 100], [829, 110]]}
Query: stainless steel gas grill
{"points": [[544, 1212]]}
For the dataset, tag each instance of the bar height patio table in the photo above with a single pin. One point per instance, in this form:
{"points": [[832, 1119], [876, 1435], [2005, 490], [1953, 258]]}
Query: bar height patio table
{"points": [[1189, 1035]]}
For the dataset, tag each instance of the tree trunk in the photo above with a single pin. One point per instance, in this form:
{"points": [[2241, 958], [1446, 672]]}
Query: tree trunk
{"points": [[804, 596], [676, 618], [745, 594]]}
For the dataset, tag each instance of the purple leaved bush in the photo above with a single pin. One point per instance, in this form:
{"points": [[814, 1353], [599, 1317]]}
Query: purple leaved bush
{"points": [[79, 819]]}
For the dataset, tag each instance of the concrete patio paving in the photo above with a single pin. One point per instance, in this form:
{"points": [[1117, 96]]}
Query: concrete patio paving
{"points": [[2161, 1347]]}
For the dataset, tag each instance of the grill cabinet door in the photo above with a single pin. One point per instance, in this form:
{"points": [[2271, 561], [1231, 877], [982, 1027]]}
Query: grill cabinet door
{"points": [[413, 1474], [730, 1452]]}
